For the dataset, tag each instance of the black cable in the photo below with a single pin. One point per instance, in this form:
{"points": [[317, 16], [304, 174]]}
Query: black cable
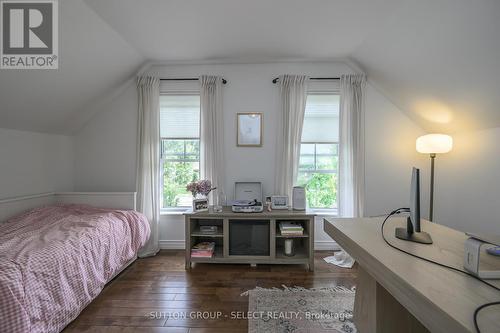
{"points": [[478, 309]]}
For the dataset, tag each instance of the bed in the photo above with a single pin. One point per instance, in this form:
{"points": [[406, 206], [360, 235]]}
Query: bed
{"points": [[57, 256]]}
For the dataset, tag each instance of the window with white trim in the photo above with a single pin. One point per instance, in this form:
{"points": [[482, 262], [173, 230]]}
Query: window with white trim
{"points": [[318, 162], [180, 147]]}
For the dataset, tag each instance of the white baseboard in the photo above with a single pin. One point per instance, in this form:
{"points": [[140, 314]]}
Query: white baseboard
{"points": [[326, 245], [179, 245], [172, 244]]}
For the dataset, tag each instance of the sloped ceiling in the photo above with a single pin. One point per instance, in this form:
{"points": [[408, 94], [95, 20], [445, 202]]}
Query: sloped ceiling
{"points": [[92, 59], [436, 60], [231, 29], [440, 62]]}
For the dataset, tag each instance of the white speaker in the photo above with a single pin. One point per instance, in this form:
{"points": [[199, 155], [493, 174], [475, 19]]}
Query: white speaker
{"points": [[299, 198]]}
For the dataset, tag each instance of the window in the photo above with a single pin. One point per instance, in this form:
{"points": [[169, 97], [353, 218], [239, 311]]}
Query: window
{"points": [[319, 150], [180, 147]]}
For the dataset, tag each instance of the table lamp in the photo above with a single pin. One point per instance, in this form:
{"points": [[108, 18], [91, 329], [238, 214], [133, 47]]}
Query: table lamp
{"points": [[434, 144]]}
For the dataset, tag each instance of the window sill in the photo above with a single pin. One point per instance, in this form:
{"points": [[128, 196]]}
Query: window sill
{"points": [[325, 212], [174, 211]]}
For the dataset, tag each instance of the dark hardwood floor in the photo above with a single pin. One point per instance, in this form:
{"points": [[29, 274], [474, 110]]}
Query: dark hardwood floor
{"points": [[153, 287]]}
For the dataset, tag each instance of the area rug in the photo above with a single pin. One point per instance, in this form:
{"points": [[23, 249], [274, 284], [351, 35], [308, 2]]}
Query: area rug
{"points": [[300, 310]]}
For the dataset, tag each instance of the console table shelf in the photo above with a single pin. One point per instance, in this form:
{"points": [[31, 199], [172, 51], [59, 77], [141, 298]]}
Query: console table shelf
{"points": [[250, 238]]}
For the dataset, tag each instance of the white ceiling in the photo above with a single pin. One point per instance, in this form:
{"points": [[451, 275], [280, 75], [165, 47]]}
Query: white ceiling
{"points": [[436, 59], [229, 29]]}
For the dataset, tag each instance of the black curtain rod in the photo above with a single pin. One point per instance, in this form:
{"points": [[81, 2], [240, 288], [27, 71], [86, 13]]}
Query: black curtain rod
{"points": [[189, 79], [314, 78]]}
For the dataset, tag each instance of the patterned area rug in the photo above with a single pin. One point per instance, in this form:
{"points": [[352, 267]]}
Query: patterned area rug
{"points": [[300, 310]]}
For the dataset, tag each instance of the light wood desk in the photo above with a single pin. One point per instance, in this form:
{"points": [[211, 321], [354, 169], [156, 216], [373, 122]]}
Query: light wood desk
{"points": [[400, 293]]}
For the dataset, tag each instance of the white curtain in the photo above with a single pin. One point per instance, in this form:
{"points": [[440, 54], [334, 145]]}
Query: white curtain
{"points": [[351, 156], [148, 162], [293, 93], [352, 150], [212, 131]]}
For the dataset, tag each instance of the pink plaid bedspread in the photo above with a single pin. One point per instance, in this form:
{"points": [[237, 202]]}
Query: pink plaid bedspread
{"points": [[55, 260]]}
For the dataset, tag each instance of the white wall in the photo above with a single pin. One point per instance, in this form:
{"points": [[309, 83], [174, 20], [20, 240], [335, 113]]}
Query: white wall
{"points": [[250, 89], [34, 163], [390, 156], [467, 183], [105, 147]]}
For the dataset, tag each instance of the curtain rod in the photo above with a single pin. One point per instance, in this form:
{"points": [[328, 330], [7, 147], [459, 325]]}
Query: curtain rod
{"points": [[224, 81], [313, 78]]}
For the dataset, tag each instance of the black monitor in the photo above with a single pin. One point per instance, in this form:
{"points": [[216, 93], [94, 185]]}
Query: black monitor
{"points": [[413, 232]]}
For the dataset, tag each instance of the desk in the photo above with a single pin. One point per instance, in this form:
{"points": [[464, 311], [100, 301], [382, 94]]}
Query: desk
{"points": [[304, 244], [399, 293]]}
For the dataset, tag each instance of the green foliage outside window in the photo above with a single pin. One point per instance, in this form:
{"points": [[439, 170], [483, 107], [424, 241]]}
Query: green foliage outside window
{"points": [[321, 189], [176, 175], [180, 167], [318, 173]]}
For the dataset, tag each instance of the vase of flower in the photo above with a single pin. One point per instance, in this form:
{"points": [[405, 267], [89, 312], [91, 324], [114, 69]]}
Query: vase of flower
{"points": [[200, 191]]}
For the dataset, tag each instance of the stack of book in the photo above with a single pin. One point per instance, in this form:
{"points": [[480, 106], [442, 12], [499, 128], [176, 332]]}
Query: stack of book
{"points": [[203, 250], [291, 229]]}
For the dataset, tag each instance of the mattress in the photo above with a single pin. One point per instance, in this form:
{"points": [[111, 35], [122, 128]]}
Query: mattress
{"points": [[55, 260]]}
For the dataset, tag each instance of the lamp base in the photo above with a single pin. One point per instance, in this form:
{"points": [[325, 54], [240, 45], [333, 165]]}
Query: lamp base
{"points": [[417, 237]]}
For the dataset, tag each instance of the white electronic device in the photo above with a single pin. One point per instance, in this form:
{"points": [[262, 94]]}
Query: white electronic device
{"points": [[299, 198], [279, 202], [472, 254], [248, 197], [247, 209]]}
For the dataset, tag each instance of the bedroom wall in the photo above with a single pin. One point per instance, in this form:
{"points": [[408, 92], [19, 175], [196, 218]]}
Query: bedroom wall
{"points": [[390, 155], [34, 163], [105, 147], [467, 183], [250, 89]]}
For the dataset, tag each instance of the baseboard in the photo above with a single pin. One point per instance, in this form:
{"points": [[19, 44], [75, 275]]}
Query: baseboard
{"points": [[179, 245], [172, 244], [326, 245]]}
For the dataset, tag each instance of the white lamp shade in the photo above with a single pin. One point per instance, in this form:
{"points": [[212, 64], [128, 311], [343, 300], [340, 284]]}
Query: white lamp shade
{"points": [[434, 144]]}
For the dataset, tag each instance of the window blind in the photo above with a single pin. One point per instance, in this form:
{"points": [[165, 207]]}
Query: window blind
{"points": [[321, 119], [180, 116]]}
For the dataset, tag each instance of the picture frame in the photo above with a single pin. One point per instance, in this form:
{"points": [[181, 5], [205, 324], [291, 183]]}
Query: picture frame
{"points": [[200, 205], [249, 131]]}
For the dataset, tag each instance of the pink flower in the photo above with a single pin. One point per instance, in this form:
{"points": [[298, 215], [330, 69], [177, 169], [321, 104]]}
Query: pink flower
{"points": [[193, 188], [203, 187]]}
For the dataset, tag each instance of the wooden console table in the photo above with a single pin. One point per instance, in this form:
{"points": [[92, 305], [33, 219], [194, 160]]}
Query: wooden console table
{"points": [[303, 245], [399, 293]]}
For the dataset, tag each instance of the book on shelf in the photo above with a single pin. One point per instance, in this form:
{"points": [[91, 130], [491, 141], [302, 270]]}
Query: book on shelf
{"points": [[206, 254], [203, 250], [295, 233]]}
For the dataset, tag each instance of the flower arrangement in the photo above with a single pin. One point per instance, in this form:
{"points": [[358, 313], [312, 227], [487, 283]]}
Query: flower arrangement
{"points": [[203, 187]]}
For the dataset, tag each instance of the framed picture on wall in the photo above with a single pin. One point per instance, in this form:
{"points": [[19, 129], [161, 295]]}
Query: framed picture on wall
{"points": [[249, 129]]}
